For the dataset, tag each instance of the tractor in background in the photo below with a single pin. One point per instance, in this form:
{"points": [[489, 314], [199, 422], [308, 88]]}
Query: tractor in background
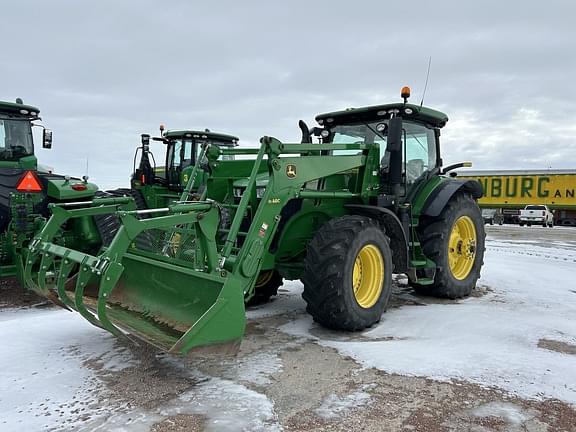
{"points": [[152, 185], [159, 185], [370, 199], [27, 189]]}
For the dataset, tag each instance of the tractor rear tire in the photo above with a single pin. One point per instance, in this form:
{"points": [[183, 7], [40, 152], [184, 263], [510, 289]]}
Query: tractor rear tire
{"points": [[348, 274], [455, 242], [108, 224], [266, 286]]}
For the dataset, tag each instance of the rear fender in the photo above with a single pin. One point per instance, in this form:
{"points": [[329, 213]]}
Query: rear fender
{"points": [[394, 230], [438, 199]]}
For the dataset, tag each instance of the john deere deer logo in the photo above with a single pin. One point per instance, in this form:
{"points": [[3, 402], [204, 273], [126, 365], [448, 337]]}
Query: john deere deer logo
{"points": [[291, 171]]}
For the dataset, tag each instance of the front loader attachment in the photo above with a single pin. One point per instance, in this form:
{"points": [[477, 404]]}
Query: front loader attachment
{"points": [[179, 279], [158, 280]]}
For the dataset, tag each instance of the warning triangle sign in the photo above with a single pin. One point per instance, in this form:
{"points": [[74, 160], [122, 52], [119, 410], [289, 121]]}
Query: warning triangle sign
{"points": [[29, 183]]}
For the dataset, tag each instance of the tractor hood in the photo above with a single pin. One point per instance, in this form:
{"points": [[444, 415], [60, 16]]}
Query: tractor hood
{"points": [[261, 181], [60, 189]]}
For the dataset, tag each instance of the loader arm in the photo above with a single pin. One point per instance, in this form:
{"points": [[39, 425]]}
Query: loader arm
{"points": [[166, 279]]}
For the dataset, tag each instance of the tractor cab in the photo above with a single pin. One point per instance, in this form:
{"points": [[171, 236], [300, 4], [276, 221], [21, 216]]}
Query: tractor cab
{"points": [[182, 149], [405, 160], [16, 140]]}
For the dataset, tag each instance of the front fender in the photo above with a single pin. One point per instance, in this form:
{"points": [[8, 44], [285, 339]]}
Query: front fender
{"points": [[438, 199], [394, 231]]}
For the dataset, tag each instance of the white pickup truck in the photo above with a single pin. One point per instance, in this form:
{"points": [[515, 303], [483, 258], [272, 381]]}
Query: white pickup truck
{"points": [[536, 215]]}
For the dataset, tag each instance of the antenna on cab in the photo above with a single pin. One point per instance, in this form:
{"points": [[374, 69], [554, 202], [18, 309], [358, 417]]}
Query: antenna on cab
{"points": [[426, 83]]}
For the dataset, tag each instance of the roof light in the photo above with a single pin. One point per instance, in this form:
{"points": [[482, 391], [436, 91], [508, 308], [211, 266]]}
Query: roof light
{"points": [[29, 183], [405, 93]]}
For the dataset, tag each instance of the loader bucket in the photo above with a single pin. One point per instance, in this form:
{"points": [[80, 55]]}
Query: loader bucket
{"points": [[176, 308], [158, 280]]}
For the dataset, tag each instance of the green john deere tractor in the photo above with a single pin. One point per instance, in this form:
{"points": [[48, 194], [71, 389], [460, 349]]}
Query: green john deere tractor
{"points": [[371, 198], [155, 186], [26, 189], [164, 184]]}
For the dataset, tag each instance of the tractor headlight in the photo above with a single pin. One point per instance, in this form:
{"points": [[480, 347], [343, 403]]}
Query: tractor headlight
{"points": [[238, 192], [260, 191]]}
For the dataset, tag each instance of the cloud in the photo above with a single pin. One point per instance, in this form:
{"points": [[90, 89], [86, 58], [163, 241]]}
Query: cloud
{"points": [[104, 72]]}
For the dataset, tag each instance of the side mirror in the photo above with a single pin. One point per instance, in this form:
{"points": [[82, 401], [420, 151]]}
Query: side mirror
{"points": [[394, 148], [47, 139], [394, 141], [306, 138]]}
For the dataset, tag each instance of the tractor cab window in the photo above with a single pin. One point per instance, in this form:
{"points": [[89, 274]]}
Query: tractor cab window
{"points": [[181, 153], [199, 145], [419, 146], [174, 153], [15, 139], [358, 134], [420, 150], [189, 147], [174, 162]]}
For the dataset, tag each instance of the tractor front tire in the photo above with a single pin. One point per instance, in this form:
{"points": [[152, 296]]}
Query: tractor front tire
{"points": [[348, 274], [455, 242]]}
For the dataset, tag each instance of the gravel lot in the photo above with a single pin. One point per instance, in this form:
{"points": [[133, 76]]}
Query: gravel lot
{"points": [[59, 373]]}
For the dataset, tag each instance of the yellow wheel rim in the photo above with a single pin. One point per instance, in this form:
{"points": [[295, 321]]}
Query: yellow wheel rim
{"points": [[264, 278], [368, 276], [462, 247]]}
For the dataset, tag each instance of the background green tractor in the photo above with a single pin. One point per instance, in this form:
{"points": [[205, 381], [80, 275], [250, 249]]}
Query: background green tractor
{"points": [[342, 215], [153, 185], [160, 185], [26, 189]]}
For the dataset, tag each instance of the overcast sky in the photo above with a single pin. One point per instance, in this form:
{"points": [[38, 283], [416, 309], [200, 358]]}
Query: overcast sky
{"points": [[103, 72]]}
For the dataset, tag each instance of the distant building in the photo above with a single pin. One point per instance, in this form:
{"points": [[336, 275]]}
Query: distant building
{"points": [[514, 189]]}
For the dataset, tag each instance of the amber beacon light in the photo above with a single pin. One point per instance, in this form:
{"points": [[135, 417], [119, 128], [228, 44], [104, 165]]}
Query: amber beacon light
{"points": [[405, 93]]}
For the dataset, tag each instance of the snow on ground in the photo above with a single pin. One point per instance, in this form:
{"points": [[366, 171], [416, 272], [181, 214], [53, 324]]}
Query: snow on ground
{"points": [[43, 380], [256, 368], [227, 406], [491, 340], [511, 413], [335, 406], [288, 300], [46, 385]]}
